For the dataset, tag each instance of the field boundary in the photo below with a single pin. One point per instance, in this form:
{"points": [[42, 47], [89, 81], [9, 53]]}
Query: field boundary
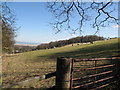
{"points": [[37, 78], [66, 70]]}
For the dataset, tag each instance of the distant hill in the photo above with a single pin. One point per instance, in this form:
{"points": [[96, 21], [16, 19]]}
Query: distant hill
{"points": [[79, 39]]}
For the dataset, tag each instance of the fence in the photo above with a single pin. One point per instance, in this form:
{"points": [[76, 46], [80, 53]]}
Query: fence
{"points": [[90, 74], [94, 73]]}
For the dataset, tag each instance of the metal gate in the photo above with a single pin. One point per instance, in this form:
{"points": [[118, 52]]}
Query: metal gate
{"points": [[95, 73]]}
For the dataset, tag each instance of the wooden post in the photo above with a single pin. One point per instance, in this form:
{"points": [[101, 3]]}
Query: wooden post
{"points": [[71, 81], [63, 73]]}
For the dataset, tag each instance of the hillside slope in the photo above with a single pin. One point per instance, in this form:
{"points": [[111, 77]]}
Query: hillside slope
{"points": [[22, 66], [97, 49]]}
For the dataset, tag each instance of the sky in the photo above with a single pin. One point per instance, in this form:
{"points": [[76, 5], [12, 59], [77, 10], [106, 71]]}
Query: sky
{"points": [[33, 19]]}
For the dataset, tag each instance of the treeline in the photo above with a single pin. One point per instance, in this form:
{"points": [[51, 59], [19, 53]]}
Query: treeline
{"points": [[20, 49], [82, 39]]}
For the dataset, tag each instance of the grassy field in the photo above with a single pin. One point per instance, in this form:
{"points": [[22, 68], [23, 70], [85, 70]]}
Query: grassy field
{"points": [[22, 66]]}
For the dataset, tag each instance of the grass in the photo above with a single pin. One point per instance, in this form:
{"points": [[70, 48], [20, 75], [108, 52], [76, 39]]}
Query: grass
{"points": [[25, 65]]}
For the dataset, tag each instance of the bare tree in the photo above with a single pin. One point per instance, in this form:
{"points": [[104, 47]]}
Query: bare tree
{"points": [[98, 14], [8, 28]]}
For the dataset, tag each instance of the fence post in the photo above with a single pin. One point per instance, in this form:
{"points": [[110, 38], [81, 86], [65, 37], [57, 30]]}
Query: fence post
{"points": [[63, 73]]}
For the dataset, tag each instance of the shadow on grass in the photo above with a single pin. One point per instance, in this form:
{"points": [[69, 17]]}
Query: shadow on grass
{"points": [[87, 52], [97, 51]]}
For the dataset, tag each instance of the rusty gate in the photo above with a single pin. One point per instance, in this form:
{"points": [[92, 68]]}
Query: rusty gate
{"points": [[91, 74]]}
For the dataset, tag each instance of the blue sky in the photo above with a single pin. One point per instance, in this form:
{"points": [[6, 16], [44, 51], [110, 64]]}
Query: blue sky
{"points": [[34, 19]]}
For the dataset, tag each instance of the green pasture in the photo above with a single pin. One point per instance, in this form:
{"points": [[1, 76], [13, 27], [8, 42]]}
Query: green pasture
{"points": [[22, 66]]}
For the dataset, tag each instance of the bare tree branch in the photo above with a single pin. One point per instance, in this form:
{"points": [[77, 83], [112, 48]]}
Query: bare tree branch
{"points": [[64, 11]]}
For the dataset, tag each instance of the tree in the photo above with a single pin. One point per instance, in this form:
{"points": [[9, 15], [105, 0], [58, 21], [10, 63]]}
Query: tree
{"points": [[82, 39], [98, 14], [8, 29]]}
